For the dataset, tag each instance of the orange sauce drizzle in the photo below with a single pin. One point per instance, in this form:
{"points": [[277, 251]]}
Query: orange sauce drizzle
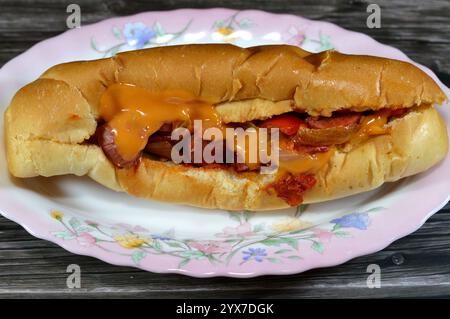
{"points": [[135, 113]]}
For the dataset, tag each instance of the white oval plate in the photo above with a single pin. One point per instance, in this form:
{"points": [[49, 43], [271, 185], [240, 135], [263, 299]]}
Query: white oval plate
{"points": [[86, 218]]}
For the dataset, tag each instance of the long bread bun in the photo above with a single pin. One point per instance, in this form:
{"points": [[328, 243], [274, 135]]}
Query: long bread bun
{"points": [[49, 120]]}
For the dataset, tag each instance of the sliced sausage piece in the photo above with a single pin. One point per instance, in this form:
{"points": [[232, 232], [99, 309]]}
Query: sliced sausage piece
{"points": [[161, 148], [398, 112], [325, 136], [105, 138], [334, 121]]}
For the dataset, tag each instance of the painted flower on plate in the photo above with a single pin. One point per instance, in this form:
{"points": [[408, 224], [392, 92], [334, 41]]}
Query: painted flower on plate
{"points": [[242, 230], [131, 241], [257, 254], [231, 29], [290, 224], [137, 34], [354, 220], [86, 240], [225, 30], [322, 234], [91, 223], [161, 237], [211, 246], [57, 215], [296, 35], [225, 34]]}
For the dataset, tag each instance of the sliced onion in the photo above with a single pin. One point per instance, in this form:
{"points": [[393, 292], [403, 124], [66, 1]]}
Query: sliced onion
{"points": [[285, 155]]}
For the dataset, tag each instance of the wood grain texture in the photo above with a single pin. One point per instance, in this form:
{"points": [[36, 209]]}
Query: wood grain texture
{"points": [[36, 268]]}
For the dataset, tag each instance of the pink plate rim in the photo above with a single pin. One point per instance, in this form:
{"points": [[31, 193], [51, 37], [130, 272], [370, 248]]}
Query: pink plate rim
{"points": [[369, 242]]}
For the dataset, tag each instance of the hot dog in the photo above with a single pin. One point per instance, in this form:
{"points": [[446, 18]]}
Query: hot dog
{"points": [[346, 123]]}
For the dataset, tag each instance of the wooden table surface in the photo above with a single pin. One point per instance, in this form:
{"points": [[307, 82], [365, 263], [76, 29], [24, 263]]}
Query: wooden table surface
{"points": [[417, 265]]}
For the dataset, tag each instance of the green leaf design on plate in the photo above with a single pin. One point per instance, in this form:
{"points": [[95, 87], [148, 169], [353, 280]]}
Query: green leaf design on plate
{"points": [[374, 209], [211, 259], [232, 241], [259, 227], [114, 51], [219, 23], [156, 244], [247, 215], [301, 209], [245, 23], [325, 42], [342, 234], [94, 44], [293, 257], [158, 29], [235, 216], [318, 247], [292, 242], [137, 256], [303, 230], [117, 33], [306, 40], [64, 234], [84, 229], [282, 251], [75, 223], [273, 260], [272, 242], [192, 254], [279, 241], [183, 262]]}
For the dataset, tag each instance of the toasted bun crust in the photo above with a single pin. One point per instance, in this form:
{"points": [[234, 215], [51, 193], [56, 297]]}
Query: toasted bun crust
{"points": [[222, 73], [49, 120]]}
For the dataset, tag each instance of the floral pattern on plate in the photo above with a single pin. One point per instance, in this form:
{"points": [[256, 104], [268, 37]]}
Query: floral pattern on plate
{"points": [[244, 240], [138, 35]]}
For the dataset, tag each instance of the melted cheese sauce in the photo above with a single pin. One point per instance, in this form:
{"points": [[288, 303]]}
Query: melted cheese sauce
{"points": [[308, 163], [135, 113], [371, 125], [374, 124]]}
